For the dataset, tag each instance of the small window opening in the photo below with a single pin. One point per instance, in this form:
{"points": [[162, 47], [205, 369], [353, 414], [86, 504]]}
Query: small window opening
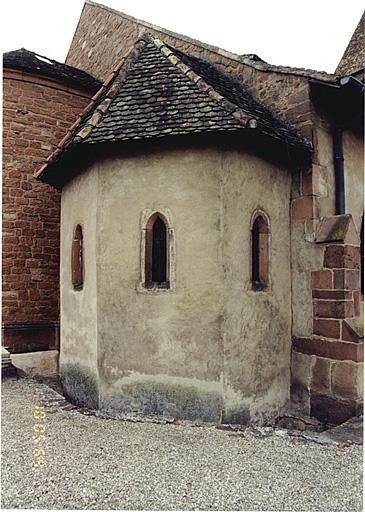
{"points": [[156, 253], [159, 251], [260, 254], [77, 264]]}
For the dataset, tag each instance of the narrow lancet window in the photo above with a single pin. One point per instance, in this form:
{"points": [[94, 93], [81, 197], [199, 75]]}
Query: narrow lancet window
{"points": [[156, 261], [77, 257], [159, 251], [260, 253]]}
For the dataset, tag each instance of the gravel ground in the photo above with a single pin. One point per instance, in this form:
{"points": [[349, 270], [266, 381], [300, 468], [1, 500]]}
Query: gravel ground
{"points": [[96, 463]]}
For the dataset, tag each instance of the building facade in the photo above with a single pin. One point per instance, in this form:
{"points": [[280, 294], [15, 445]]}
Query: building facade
{"points": [[311, 307], [318, 303]]}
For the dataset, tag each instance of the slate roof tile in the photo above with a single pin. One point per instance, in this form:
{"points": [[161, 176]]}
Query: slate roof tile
{"points": [[160, 91]]}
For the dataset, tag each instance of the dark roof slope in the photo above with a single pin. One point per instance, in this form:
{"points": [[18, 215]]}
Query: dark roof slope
{"points": [[158, 92], [353, 59], [31, 62], [234, 91], [157, 99]]}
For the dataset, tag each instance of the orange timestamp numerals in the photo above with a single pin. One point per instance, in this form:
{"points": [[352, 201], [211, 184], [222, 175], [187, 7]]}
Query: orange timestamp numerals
{"points": [[39, 436]]}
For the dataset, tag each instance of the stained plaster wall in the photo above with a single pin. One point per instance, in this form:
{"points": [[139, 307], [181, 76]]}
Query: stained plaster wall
{"points": [[257, 325], [210, 346], [78, 347], [161, 348]]}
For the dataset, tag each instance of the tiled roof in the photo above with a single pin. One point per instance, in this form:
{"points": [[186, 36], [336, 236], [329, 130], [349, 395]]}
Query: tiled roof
{"points": [[158, 99], [158, 91], [31, 62], [234, 91]]}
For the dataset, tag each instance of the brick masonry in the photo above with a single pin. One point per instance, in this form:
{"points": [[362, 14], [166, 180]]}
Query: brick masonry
{"points": [[37, 113]]}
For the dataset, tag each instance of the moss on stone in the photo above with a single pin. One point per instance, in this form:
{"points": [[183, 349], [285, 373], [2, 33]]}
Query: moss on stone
{"points": [[80, 386]]}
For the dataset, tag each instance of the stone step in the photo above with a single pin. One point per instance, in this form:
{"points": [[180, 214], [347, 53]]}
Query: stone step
{"points": [[5, 358]]}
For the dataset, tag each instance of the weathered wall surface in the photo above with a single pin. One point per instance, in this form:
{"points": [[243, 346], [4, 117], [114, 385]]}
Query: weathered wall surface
{"points": [[305, 258], [327, 342], [257, 327], [209, 346], [317, 199], [37, 112], [161, 351], [78, 354]]}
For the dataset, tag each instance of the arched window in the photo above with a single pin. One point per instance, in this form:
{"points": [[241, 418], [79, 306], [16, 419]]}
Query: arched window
{"points": [[156, 257], [77, 259], [260, 247]]}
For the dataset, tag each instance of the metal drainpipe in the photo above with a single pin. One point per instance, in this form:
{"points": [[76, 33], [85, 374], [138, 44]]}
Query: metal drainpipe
{"points": [[339, 171]]}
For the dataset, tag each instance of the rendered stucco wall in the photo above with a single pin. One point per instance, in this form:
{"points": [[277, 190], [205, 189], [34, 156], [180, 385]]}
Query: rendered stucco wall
{"points": [[78, 346], [160, 348], [210, 347], [257, 326]]}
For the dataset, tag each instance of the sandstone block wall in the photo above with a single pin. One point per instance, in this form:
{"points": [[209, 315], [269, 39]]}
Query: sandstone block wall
{"points": [[327, 366]]}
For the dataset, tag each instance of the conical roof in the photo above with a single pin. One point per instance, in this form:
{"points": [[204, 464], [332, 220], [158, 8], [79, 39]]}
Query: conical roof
{"points": [[158, 91]]}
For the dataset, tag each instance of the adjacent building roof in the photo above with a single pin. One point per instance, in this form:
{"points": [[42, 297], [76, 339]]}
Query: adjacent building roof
{"points": [[31, 62], [353, 60], [158, 91]]}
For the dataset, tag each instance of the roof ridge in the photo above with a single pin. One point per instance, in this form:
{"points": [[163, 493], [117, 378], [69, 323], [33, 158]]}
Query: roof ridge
{"points": [[243, 59], [231, 108], [92, 114]]}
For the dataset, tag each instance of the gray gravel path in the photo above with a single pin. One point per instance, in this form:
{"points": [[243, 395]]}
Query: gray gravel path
{"points": [[100, 463]]}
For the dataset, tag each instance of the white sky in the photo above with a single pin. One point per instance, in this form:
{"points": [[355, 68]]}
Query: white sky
{"points": [[302, 33]]}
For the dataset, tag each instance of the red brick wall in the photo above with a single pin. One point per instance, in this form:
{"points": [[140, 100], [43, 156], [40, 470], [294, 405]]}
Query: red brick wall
{"points": [[37, 113]]}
